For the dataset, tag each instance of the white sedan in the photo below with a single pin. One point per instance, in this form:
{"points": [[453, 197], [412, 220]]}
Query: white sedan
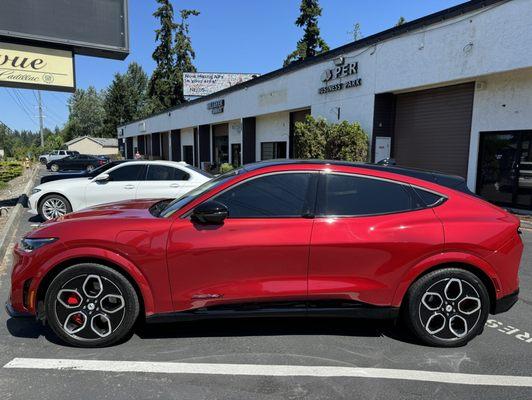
{"points": [[127, 181]]}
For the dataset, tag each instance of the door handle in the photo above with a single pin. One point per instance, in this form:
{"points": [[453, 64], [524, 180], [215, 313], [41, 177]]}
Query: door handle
{"points": [[174, 185], [129, 187]]}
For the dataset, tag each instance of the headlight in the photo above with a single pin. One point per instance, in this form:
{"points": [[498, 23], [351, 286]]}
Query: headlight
{"points": [[35, 190], [28, 245]]}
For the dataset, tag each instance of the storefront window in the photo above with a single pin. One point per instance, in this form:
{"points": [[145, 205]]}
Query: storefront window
{"points": [[272, 150]]}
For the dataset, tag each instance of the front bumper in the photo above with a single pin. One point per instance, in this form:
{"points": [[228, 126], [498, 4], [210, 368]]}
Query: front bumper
{"points": [[16, 314], [505, 303]]}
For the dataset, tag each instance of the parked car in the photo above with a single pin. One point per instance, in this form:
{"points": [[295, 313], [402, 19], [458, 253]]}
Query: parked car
{"points": [[75, 162], [56, 155], [125, 181], [81, 174], [277, 238]]}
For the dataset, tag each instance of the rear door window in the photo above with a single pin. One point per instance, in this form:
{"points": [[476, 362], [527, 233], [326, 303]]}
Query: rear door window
{"points": [[349, 195], [128, 173]]}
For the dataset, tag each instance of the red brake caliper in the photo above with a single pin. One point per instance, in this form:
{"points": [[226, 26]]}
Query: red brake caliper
{"points": [[72, 300], [78, 319]]}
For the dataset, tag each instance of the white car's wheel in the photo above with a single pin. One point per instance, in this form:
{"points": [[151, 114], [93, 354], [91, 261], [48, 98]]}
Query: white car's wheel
{"points": [[53, 206]]}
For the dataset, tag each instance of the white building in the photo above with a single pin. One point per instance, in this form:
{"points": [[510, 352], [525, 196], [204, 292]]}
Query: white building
{"points": [[451, 91]]}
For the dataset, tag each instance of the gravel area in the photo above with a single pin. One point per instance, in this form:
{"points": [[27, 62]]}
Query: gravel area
{"points": [[9, 196]]}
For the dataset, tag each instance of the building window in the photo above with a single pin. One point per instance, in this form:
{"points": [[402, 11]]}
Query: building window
{"points": [[272, 150]]}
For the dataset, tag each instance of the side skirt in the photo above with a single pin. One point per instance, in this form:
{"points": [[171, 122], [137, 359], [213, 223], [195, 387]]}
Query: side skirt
{"points": [[326, 309]]}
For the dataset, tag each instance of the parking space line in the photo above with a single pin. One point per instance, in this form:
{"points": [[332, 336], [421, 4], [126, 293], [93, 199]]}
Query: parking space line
{"points": [[268, 370]]}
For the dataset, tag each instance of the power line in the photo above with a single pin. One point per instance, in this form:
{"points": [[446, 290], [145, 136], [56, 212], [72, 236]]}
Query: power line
{"points": [[20, 106]]}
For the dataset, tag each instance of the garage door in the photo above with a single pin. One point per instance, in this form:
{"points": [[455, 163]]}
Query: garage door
{"points": [[432, 129]]}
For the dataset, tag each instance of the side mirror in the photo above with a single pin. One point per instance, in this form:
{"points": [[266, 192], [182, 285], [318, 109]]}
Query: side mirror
{"points": [[101, 178], [210, 212]]}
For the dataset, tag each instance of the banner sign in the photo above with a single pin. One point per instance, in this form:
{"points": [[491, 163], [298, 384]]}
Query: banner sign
{"points": [[36, 68], [196, 84]]}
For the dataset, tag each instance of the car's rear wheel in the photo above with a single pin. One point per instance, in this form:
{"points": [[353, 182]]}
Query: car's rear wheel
{"points": [[89, 168], [91, 305], [447, 307], [54, 167], [53, 206]]}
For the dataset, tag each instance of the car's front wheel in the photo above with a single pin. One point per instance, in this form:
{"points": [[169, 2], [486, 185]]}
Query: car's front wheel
{"points": [[54, 167], [53, 206], [447, 307], [91, 305]]}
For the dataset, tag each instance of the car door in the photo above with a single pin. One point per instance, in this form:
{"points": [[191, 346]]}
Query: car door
{"points": [[164, 181], [122, 185], [258, 255], [367, 233]]}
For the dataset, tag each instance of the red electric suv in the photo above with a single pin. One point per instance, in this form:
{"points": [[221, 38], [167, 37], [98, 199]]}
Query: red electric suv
{"points": [[297, 238]]}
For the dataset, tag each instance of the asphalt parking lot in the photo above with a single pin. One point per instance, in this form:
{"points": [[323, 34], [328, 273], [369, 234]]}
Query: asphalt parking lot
{"points": [[265, 359]]}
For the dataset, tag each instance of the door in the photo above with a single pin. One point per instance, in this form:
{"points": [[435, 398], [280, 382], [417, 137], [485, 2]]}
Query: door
{"points": [[164, 182], [433, 127], [122, 185], [188, 154], [258, 255], [367, 234], [504, 174]]}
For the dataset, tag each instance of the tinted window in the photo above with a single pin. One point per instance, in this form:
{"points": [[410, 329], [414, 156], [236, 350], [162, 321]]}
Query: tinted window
{"points": [[127, 173], [352, 195], [279, 195], [165, 173], [429, 199], [103, 168]]}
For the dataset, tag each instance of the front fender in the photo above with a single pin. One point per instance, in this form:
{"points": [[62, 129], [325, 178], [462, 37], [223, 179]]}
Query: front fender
{"points": [[440, 259], [105, 255]]}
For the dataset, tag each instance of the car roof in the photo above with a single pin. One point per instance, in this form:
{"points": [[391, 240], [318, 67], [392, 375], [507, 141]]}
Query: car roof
{"points": [[451, 181]]}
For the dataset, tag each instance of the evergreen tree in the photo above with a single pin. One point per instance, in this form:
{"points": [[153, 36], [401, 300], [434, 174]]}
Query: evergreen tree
{"points": [[163, 80], [117, 105], [183, 51], [311, 43], [136, 82], [400, 21], [86, 114]]}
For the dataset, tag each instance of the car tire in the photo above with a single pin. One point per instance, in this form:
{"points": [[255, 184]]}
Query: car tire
{"points": [[91, 305], [89, 168], [53, 206], [54, 167], [447, 307]]}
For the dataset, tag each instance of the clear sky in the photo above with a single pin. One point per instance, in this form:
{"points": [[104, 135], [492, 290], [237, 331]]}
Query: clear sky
{"points": [[228, 36]]}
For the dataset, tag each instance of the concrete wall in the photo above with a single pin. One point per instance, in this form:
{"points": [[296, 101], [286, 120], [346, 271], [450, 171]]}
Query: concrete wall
{"points": [[272, 128], [505, 103]]}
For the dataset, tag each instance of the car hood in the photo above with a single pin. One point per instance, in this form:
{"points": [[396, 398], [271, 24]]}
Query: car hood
{"points": [[60, 184], [122, 209]]}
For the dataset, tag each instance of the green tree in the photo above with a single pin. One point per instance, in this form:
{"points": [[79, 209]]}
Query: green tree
{"points": [[311, 43], [400, 21], [163, 80], [136, 82], [356, 33], [317, 138], [86, 115], [184, 52], [117, 105]]}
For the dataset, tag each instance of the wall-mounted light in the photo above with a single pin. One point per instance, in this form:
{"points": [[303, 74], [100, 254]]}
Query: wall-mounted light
{"points": [[339, 61]]}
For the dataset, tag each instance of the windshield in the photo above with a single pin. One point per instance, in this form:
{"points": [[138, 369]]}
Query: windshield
{"points": [[97, 171], [188, 197]]}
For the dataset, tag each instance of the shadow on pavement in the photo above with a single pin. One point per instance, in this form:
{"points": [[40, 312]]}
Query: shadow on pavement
{"points": [[31, 329]]}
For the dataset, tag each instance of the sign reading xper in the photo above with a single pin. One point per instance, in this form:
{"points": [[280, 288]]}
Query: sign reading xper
{"points": [[35, 67]]}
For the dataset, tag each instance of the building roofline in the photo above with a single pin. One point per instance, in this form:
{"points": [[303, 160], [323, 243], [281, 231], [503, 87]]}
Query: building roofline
{"points": [[431, 19]]}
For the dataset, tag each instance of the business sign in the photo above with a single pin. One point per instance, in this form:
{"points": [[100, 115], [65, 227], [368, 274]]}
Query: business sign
{"points": [[36, 68], [197, 84], [88, 27], [343, 70], [216, 106]]}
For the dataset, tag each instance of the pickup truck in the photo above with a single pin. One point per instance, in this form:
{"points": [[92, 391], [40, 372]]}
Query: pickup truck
{"points": [[55, 155]]}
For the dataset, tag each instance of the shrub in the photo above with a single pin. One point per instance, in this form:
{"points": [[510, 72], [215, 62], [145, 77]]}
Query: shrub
{"points": [[10, 170], [317, 138], [226, 167]]}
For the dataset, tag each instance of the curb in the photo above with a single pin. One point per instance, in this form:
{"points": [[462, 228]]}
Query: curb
{"points": [[8, 230]]}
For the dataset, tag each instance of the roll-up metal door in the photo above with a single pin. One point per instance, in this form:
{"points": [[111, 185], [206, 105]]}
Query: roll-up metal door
{"points": [[432, 128]]}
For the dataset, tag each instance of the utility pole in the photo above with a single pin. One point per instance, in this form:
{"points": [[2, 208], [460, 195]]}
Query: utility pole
{"points": [[41, 118]]}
